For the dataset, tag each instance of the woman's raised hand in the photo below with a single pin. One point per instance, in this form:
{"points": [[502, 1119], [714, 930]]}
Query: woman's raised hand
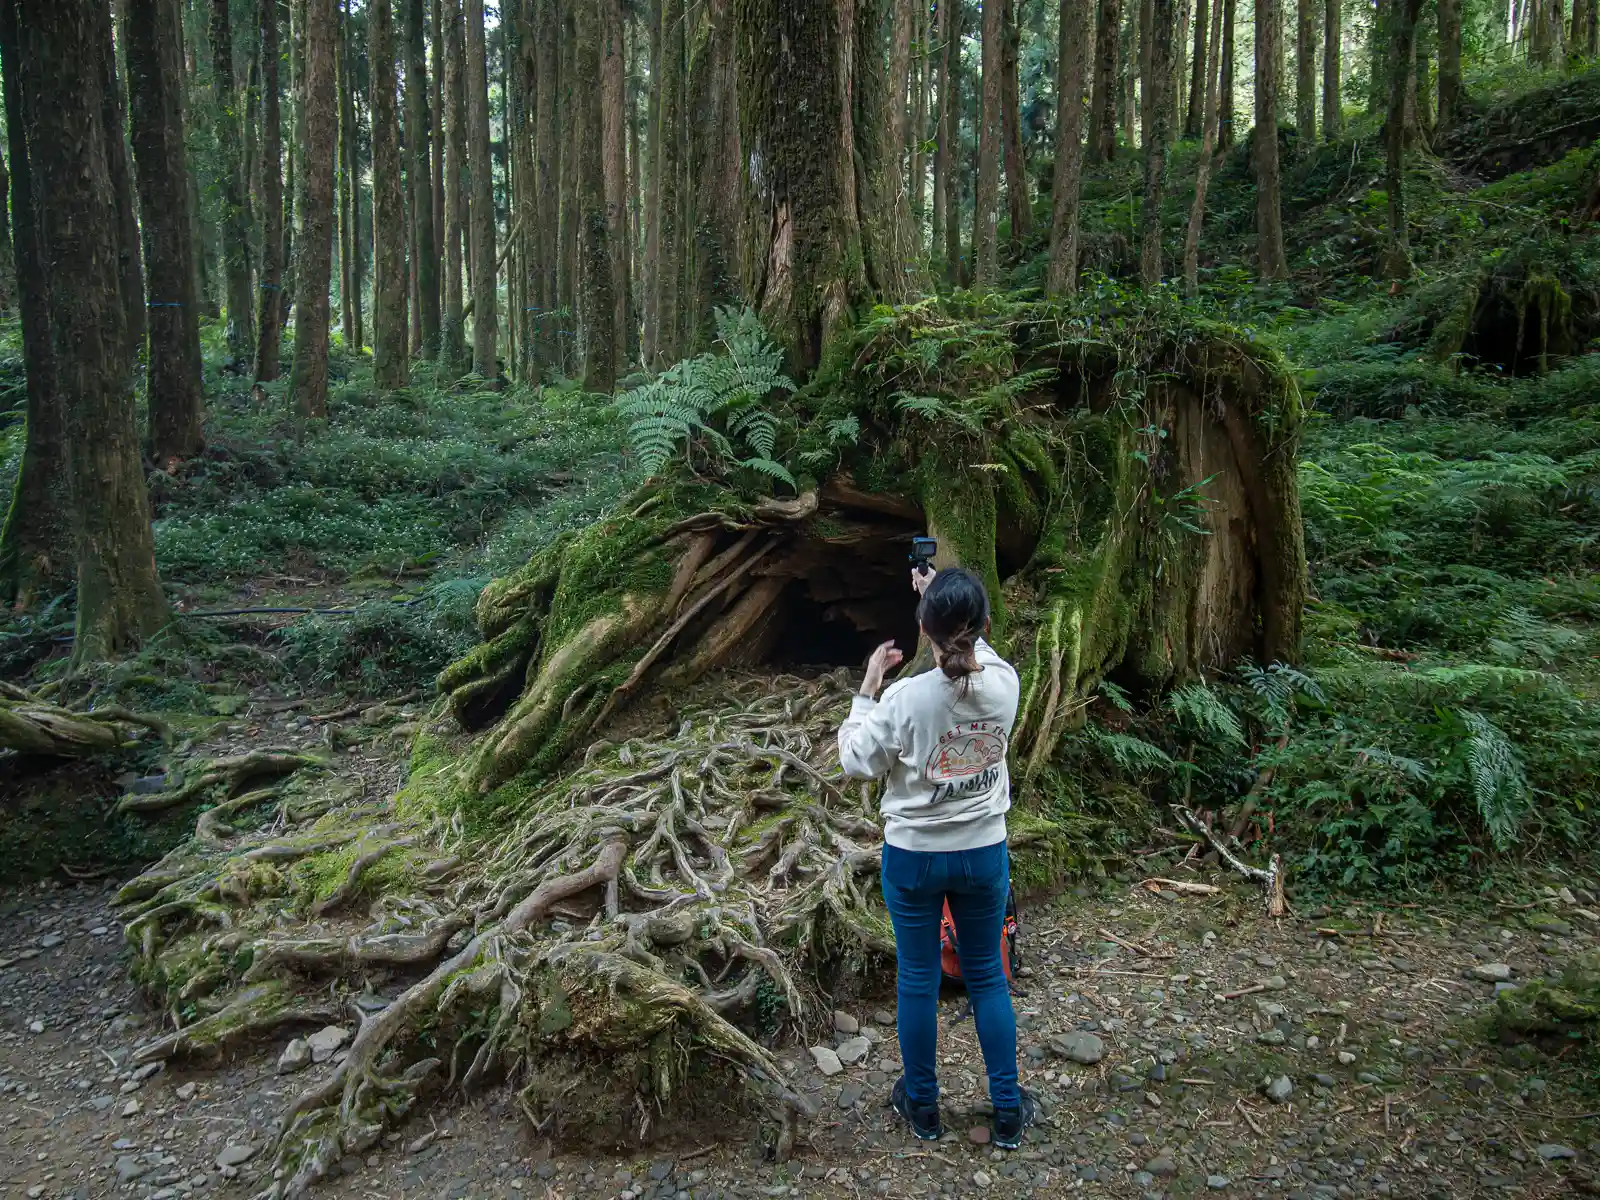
{"points": [[921, 577], [884, 659]]}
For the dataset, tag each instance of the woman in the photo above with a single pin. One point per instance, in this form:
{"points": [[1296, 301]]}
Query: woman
{"points": [[941, 737]]}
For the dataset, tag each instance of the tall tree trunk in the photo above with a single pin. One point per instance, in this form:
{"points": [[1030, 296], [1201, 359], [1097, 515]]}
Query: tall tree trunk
{"points": [[235, 226], [986, 215], [652, 194], [1103, 104], [596, 281], [1147, 104], [1128, 74], [174, 386], [436, 74], [940, 66], [390, 233], [349, 239], [8, 261], [1197, 212], [921, 86], [295, 194], [485, 308], [547, 153], [454, 348], [1072, 55], [1450, 61], [802, 257], [36, 553], [614, 165], [883, 207], [1332, 68], [1401, 38], [270, 328], [1177, 89], [65, 53], [953, 159], [1160, 98], [1269, 204], [900, 38], [1377, 58], [309, 382], [670, 173], [1305, 75], [1195, 117], [1018, 206], [1225, 126], [419, 138], [130, 274]]}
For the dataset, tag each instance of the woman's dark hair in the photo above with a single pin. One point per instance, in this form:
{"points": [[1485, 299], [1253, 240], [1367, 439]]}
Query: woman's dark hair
{"points": [[954, 613]]}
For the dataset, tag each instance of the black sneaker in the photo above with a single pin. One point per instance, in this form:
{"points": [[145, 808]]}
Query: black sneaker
{"points": [[923, 1118], [1010, 1122]]}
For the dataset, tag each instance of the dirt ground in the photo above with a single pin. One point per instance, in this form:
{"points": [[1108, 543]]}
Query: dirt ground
{"points": [[1195, 1008]]}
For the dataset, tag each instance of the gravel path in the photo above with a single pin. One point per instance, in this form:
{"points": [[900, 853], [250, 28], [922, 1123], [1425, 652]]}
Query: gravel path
{"points": [[1181, 1046]]}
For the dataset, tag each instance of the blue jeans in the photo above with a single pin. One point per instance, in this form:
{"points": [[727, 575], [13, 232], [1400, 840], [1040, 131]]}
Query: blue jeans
{"points": [[916, 885]]}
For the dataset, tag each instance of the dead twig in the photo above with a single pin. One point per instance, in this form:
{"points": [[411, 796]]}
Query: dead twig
{"points": [[1271, 879]]}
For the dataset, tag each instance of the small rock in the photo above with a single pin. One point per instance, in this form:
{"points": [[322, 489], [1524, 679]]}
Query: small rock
{"points": [[1277, 983], [50, 941], [131, 1108], [827, 1060], [853, 1050], [1550, 1152], [235, 1155], [1494, 972], [850, 1094], [326, 1041], [981, 1178], [36, 1027], [296, 1056], [149, 1069], [1280, 1089], [419, 1144], [1272, 1037], [130, 1168], [978, 1135], [1216, 1182], [1079, 1047], [101, 1103], [1346, 1058], [883, 1017], [1546, 923], [186, 1091], [1162, 1167], [845, 1023]]}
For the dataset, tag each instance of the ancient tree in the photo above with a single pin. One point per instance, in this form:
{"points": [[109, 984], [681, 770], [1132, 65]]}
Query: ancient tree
{"points": [[1159, 98], [419, 176], [1103, 106], [453, 346], [173, 382], [1332, 59], [314, 237], [1397, 129], [269, 332], [390, 365], [485, 327], [1072, 61], [991, 128], [1305, 74], [70, 156], [227, 123], [1271, 261]]}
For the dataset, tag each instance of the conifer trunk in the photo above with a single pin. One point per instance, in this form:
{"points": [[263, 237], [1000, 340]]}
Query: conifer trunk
{"points": [[1197, 211], [1103, 106], [652, 192], [419, 138], [668, 188], [390, 233], [485, 308], [614, 144], [1159, 85], [1332, 58], [269, 332], [1305, 75], [436, 76], [349, 204], [1018, 206], [8, 262], [547, 153], [1195, 116], [900, 37], [596, 280], [986, 215], [314, 265], [453, 333], [939, 68], [65, 49], [174, 386], [921, 86], [1225, 129], [36, 554], [235, 225], [953, 171], [1072, 54], [1269, 206], [1450, 61], [130, 274], [1401, 38], [892, 256]]}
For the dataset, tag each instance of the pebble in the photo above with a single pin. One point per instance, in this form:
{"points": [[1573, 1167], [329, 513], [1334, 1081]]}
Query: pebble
{"points": [[50, 941], [326, 1042], [130, 1168], [36, 1027], [1079, 1047], [1277, 983], [1272, 1037], [1346, 1058], [1494, 972], [827, 1060], [1550, 1152], [845, 1023], [1280, 1089], [296, 1056], [981, 1178], [235, 1155], [186, 1091], [131, 1108], [852, 1051], [978, 1135], [850, 1094], [883, 1017], [1216, 1182], [1162, 1167]]}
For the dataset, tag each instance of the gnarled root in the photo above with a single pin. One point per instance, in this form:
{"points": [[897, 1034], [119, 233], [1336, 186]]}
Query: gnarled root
{"points": [[230, 773], [31, 726]]}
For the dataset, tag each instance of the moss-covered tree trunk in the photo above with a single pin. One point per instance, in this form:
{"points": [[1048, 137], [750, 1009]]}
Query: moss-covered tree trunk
{"points": [[269, 333], [1401, 40], [235, 222], [597, 319], [1332, 78], [709, 211], [1270, 258], [1159, 98], [485, 320], [390, 368], [614, 122], [892, 256], [130, 262], [174, 386], [453, 349], [314, 242]]}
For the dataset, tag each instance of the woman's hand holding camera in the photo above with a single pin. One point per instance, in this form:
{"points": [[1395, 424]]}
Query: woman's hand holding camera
{"points": [[921, 577]]}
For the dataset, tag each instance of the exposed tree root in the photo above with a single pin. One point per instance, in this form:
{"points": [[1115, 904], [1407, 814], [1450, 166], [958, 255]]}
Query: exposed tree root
{"points": [[631, 922], [31, 726], [230, 773]]}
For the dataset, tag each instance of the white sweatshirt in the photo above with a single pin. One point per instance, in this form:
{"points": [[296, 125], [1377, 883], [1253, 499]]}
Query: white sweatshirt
{"points": [[944, 753]]}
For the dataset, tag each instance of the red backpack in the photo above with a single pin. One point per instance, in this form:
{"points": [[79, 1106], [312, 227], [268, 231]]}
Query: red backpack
{"points": [[949, 957]]}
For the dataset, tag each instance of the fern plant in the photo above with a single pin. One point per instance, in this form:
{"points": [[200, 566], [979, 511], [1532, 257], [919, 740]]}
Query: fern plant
{"points": [[715, 408], [1499, 779]]}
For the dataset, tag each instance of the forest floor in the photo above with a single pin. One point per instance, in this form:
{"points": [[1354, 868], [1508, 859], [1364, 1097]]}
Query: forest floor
{"points": [[1151, 1025]]}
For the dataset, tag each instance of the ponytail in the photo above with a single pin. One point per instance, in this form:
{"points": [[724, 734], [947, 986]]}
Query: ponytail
{"points": [[954, 613]]}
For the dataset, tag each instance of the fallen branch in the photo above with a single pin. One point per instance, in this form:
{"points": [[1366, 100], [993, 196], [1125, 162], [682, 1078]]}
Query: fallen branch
{"points": [[31, 726], [1180, 885], [1271, 879]]}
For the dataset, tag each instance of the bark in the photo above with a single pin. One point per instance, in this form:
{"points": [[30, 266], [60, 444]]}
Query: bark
{"points": [[547, 155], [1147, 87], [1128, 77], [269, 332], [1585, 28], [1225, 130], [986, 215], [453, 334], [596, 281], [569, 122], [1197, 212], [1377, 60], [35, 546], [900, 38], [1103, 105], [1332, 69], [939, 66], [314, 240], [1158, 96], [348, 203], [8, 261], [390, 233], [1305, 75], [1018, 206], [711, 195], [173, 381], [65, 48], [1269, 205], [130, 274], [802, 259], [436, 146], [953, 170], [235, 223], [652, 192], [1401, 38], [485, 319], [921, 86], [614, 135], [419, 172], [1072, 56], [888, 239], [1195, 116], [669, 184], [1450, 61]]}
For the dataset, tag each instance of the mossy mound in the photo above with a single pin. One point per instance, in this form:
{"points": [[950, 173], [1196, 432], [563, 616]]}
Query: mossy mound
{"points": [[1567, 1008]]}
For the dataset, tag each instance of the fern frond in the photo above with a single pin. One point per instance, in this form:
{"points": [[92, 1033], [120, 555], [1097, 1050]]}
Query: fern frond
{"points": [[1499, 779], [774, 470], [1128, 752], [1200, 707]]}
